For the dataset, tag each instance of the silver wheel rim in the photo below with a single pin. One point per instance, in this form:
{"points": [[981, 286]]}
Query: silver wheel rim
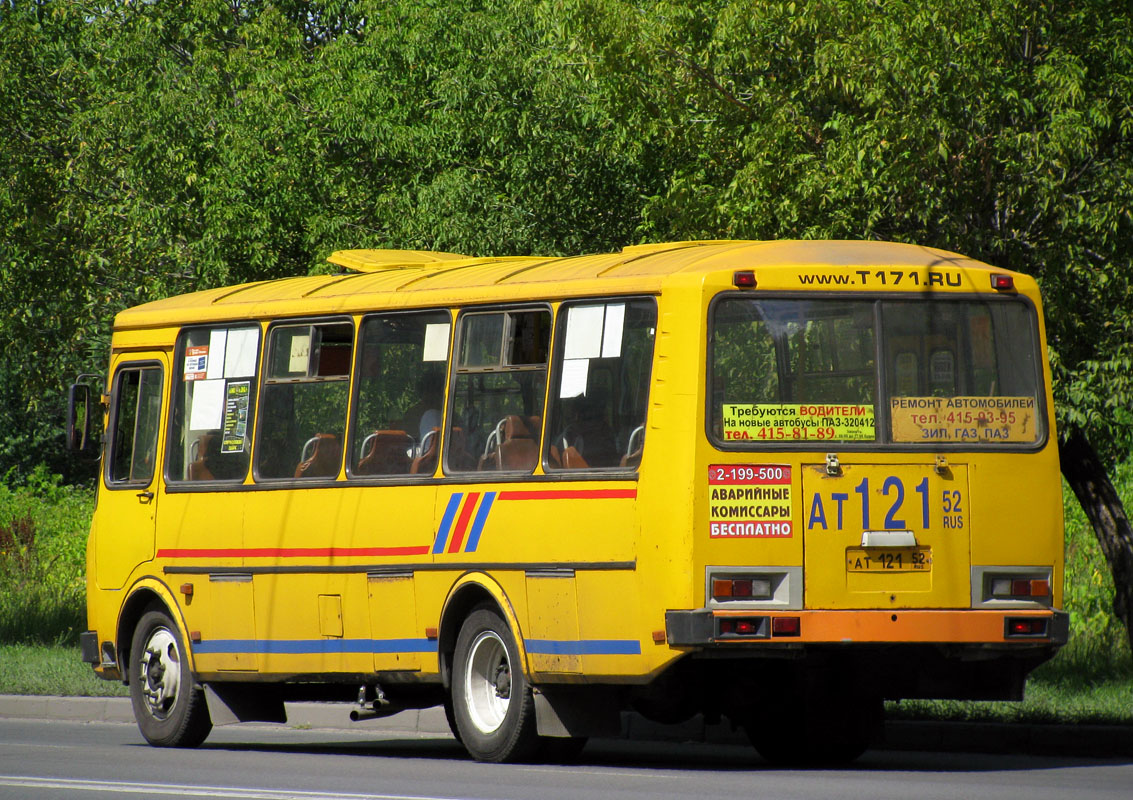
{"points": [[487, 682], [160, 673]]}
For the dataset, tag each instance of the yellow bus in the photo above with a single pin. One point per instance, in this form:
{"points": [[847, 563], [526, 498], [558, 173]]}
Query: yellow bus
{"points": [[775, 482]]}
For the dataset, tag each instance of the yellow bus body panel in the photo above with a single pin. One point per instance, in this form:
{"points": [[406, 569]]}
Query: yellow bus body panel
{"points": [[353, 578]]}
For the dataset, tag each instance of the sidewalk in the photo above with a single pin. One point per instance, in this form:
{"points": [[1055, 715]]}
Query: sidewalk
{"points": [[1100, 741]]}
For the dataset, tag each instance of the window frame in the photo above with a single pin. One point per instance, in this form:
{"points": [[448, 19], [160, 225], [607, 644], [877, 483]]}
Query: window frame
{"points": [[355, 389], [884, 441], [112, 431], [554, 377], [455, 371], [265, 381], [217, 484]]}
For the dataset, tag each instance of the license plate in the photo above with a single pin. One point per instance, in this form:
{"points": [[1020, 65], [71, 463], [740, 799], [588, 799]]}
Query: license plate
{"points": [[889, 559]]}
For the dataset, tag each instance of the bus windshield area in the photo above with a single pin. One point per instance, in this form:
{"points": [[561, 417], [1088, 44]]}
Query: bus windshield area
{"points": [[874, 370]]}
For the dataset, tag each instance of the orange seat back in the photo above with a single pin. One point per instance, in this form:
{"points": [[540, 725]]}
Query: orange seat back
{"points": [[324, 461], [387, 453]]}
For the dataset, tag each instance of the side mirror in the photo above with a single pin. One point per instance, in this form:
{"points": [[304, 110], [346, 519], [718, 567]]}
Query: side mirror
{"points": [[79, 416]]}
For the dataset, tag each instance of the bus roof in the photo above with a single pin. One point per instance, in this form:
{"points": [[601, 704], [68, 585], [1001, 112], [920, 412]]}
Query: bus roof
{"points": [[390, 279]]}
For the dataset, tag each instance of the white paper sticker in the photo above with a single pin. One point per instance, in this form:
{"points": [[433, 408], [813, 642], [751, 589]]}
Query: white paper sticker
{"points": [[436, 342], [612, 332], [584, 332], [243, 348], [208, 406], [300, 354], [217, 339], [196, 363], [575, 371]]}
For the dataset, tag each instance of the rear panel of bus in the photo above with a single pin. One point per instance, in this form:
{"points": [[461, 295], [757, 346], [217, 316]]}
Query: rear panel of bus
{"points": [[878, 473]]}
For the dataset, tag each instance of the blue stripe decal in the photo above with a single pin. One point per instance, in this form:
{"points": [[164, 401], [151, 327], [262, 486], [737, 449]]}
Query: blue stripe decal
{"points": [[585, 647], [446, 522], [313, 646], [478, 523]]}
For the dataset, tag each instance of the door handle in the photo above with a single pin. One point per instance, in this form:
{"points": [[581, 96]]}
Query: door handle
{"points": [[145, 496]]}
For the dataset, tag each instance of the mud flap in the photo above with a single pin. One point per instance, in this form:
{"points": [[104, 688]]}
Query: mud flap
{"points": [[564, 712], [230, 703]]}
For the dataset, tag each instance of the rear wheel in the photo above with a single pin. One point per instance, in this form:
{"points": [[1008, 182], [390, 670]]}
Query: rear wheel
{"points": [[450, 716], [168, 705], [491, 699]]}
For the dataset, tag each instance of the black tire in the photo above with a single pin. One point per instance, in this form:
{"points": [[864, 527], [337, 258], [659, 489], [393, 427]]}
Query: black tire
{"points": [[450, 717], [491, 698], [168, 704]]}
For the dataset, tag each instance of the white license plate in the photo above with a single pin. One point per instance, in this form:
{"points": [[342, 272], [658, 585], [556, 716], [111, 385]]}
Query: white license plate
{"points": [[888, 559]]}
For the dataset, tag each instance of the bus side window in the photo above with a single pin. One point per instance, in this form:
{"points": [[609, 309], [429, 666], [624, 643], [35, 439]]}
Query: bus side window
{"points": [[400, 390], [601, 385], [214, 400], [137, 415], [302, 421], [498, 392]]}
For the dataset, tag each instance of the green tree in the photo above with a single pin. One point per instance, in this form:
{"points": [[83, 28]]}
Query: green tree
{"points": [[157, 148], [1002, 130], [154, 148]]}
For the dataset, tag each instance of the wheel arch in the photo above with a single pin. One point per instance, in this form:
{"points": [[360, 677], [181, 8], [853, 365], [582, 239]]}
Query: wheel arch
{"points": [[471, 591], [145, 595]]}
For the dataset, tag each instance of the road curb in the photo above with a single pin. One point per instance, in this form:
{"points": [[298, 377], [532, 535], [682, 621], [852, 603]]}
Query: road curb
{"points": [[1100, 741]]}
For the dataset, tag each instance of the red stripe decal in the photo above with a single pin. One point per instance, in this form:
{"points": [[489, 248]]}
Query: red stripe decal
{"points": [[570, 494], [293, 552], [462, 522]]}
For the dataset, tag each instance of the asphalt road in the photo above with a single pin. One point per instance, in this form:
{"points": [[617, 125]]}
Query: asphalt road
{"points": [[51, 759]]}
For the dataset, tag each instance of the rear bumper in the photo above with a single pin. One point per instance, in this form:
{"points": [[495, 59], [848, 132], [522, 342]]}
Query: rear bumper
{"points": [[703, 627]]}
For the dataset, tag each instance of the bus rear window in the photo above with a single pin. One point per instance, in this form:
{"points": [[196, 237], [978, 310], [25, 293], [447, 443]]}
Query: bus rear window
{"points": [[961, 372], [793, 371], [906, 372]]}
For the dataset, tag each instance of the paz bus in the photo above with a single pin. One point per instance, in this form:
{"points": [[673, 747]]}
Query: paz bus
{"points": [[777, 483]]}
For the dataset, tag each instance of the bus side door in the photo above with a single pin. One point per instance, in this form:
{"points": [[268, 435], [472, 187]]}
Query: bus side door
{"points": [[127, 505]]}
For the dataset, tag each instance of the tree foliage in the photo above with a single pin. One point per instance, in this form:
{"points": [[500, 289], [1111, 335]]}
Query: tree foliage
{"points": [[1002, 130], [158, 147]]}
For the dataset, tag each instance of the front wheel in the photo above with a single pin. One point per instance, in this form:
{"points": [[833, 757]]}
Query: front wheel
{"points": [[169, 707], [491, 698]]}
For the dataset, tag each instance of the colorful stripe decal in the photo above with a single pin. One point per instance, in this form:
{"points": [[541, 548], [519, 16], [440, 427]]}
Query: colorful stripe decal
{"points": [[556, 647], [465, 516], [446, 522], [461, 506], [314, 646], [292, 552], [478, 523], [585, 647], [462, 522], [569, 494]]}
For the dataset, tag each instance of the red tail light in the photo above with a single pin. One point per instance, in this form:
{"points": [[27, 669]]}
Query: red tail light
{"points": [[786, 626], [742, 627], [1024, 627], [1021, 588]]}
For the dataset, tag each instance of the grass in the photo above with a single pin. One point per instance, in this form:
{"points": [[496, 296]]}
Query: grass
{"points": [[43, 529], [51, 670], [1107, 702]]}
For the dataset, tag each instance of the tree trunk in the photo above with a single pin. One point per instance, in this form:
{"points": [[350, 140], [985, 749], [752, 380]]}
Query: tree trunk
{"points": [[1086, 475]]}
